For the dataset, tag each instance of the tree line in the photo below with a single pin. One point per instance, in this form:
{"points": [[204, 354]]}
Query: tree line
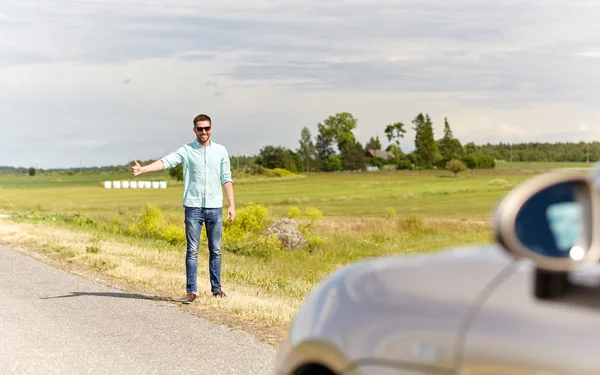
{"points": [[108, 169], [335, 148]]}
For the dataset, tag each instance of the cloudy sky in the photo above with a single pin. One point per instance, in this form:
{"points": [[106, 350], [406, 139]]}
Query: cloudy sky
{"points": [[102, 82]]}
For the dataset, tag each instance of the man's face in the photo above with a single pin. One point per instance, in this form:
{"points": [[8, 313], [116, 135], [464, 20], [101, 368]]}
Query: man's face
{"points": [[202, 130]]}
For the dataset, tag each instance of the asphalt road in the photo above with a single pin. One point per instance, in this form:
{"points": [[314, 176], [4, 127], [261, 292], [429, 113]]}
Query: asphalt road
{"points": [[53, 322]]}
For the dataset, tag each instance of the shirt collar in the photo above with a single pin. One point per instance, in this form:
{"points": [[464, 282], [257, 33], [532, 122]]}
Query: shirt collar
{"points": [[200, 145]]}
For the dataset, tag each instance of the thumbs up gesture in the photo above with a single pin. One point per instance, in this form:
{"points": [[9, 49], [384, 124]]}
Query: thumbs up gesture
{"points": [[136, 169]]}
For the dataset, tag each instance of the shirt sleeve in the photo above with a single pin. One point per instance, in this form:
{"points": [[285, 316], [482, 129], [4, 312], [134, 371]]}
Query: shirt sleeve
{"points": [[174, 158], [225, 168]]}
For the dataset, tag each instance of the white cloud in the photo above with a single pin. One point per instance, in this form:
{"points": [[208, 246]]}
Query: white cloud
{"points": [[263, 71], [592, 54], [506, 130]]}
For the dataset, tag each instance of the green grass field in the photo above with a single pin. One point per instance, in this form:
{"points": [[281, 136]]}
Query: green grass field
{"points": [[342, 195], [364, 215], [429, 193]]}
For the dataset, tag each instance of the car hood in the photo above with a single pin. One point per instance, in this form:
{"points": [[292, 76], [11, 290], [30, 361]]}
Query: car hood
{"points": [[398, 309]]}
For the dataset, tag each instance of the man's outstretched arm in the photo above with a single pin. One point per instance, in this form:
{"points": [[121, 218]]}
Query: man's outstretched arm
{"points": [[156, 166]]}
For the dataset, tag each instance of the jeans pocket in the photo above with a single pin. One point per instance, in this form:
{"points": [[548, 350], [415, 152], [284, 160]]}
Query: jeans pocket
{"points": [[214, 214], [193, 214]]}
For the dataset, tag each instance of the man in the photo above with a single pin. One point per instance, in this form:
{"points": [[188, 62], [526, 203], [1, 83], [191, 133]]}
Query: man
{"points": [[206, 167]]}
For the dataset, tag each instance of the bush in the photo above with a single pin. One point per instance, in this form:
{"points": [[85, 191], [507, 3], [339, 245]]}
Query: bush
{"points": [[378, 162], [257, 169], [262, 247], [250, 219], [266, 245], [314, 243], [333, 163], [174, 234], [294, 212], [404, 164], [479, 161], [151, 222], [313, 214], [281, 172], [240, 236], [455, 166]]}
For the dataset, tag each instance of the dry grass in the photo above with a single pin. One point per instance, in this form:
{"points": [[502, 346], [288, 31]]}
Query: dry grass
{"points": [[262, 295], [392, 225], [263, 292], [152, 273]]}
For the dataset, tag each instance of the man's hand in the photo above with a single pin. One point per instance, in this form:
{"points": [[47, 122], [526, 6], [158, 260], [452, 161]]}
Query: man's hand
{"points": [[136, 169], [229, 193], [231, 213]]}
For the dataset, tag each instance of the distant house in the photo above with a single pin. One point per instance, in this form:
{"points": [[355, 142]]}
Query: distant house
{"points": [[382, 154]]}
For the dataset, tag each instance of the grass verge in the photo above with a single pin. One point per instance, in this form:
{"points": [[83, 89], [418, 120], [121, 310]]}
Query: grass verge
{"points": [[264, 292]]}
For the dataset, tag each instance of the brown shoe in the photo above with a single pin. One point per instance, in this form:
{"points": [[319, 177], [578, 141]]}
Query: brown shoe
{"points": [[219, 293], [191, 297]]}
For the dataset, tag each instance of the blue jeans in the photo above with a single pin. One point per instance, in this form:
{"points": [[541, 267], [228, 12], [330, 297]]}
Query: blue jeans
{"points": [[195, 217]]}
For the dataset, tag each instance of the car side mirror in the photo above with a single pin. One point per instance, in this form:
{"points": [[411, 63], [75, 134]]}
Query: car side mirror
{"points": [[550, 220]]}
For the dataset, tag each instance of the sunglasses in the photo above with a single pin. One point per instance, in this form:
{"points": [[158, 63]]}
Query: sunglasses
{"points": [[199, 128]]}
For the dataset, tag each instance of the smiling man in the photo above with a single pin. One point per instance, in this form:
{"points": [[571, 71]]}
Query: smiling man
{"points": [[206, 167]]}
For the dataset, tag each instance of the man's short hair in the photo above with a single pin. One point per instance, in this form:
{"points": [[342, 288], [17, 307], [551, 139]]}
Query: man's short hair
{"points": [[201, 117]]}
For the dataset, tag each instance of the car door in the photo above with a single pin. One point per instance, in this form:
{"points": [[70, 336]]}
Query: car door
{"points": [[516, 333]]}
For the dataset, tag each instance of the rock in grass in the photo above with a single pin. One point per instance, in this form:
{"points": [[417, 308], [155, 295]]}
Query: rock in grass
{"points": [[288, 233]]}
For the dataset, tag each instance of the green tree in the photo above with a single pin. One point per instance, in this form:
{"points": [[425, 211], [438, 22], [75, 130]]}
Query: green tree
{"points": [[291, 161], [353, 156], [396, 150], [336, 129], [471, 148], [456, 166], [323, 146], [241, 161], [450, 147], [307, 149], [279, 157], [271, 157], [32, 171], [394, 132], [373, 144], [177, 172], [425, 145], [339, 128], [333, 163]]}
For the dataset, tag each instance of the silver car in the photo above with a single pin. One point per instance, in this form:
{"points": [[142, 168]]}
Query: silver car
{"points": [[527, 305]]}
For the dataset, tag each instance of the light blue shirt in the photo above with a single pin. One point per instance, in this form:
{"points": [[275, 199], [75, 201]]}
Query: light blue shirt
{"points": [[205, 170]]}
